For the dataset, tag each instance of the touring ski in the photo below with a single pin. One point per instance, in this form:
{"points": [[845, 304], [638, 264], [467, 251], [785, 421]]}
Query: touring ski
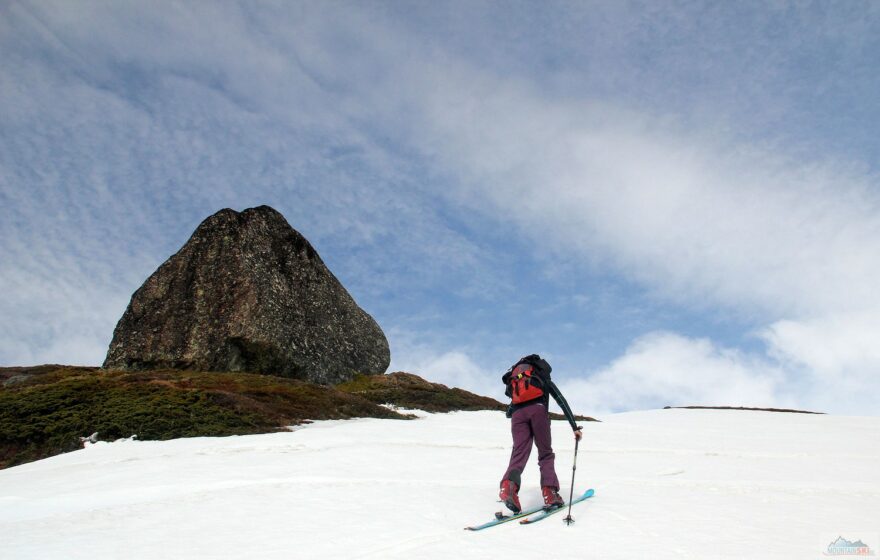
{"points": [[545, 513], [501, 518]]}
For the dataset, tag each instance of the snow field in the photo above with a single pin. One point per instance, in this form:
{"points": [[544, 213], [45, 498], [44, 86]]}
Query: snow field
{"points": [[669, 484]]}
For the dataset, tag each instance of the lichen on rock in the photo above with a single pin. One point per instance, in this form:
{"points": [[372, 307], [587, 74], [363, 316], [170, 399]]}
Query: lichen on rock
{"points": [[247, 292]]}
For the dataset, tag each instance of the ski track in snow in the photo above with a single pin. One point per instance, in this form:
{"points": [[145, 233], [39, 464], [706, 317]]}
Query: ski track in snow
{"points": [[669, 484]]}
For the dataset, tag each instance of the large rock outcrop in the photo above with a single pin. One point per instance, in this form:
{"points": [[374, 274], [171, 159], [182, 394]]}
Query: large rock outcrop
{"points": [[248, 293]]}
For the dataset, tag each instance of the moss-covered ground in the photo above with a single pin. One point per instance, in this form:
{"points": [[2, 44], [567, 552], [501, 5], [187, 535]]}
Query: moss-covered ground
{"points": [[411, 391], [45, 410]]}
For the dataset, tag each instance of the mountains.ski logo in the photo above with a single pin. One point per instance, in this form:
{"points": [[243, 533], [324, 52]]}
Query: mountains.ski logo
{"points": [[843, 547]]}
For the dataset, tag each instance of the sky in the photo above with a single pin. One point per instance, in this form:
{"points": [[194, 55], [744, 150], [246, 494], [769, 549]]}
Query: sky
{"points": [[675, 203]]}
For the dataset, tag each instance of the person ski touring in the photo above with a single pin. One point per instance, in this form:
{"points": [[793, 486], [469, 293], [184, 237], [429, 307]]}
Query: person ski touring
{"points": [[529, 387]]}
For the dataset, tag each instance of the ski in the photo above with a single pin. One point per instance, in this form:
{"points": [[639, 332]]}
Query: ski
{"points": [[548, 512], [501, 518]]}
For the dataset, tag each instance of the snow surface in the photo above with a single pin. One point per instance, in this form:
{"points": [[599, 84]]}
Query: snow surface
{"points": [[669, 484]]}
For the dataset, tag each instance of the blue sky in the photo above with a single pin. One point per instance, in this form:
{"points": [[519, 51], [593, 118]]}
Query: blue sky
{"points": [[676, 203]]}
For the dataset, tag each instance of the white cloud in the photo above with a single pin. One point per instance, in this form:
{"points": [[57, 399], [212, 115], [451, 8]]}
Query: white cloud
{"points": [[454, 367], [687, 215], [837, 355], [825, 366], [668, 369], [830, 346]]}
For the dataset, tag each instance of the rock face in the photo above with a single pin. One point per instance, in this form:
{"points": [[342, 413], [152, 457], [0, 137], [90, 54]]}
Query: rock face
{"points": [[248, 293]]}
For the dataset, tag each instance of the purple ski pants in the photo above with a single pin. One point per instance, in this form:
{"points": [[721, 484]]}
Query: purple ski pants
{"points": [[531, 424]]}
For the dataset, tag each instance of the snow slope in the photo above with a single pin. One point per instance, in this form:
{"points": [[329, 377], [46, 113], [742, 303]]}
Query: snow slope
{"points": [[669, 484]]}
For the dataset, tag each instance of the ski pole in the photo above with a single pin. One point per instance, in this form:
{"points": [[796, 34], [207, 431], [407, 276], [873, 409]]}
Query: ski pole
{"points": [[568, 518]]}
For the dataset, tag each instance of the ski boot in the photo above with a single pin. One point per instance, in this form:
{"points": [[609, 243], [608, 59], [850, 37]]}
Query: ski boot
{"points": [[552, 499], [509, 497]]}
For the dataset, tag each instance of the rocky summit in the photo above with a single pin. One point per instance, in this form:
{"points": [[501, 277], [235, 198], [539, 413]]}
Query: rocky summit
{"points": [[249, 293]]}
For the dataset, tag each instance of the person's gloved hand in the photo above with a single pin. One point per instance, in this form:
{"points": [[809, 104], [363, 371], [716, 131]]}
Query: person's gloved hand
{"points": [[578, 434]]}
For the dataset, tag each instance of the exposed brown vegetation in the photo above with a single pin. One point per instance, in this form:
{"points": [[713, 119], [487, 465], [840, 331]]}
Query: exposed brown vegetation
{"points": [[411, 391], [44, 410], [746, 408]]}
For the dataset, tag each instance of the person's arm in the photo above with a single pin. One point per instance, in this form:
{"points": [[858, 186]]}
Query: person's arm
{"points": [[563, 404]]}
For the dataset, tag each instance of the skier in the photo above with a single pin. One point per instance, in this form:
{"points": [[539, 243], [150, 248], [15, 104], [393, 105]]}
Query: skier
{"points": [[530, 388]]}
